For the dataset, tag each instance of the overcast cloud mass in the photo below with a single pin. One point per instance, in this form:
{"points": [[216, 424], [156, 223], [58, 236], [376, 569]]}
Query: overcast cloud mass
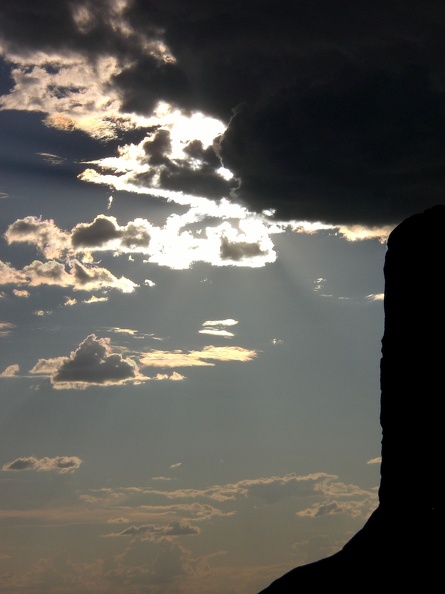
{"points": [[333, 111]]}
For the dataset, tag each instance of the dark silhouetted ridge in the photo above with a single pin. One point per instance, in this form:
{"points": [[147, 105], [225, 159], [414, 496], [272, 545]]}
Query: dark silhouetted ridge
{"points": [[398, 548]]}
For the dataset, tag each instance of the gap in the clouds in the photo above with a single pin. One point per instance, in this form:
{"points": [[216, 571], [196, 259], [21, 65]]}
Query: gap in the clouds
{"points": [[24, 135], [6, 80], [346, 269]]}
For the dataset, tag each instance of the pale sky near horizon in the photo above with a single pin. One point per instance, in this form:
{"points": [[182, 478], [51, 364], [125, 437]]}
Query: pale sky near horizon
{"points": [[189, 327]]}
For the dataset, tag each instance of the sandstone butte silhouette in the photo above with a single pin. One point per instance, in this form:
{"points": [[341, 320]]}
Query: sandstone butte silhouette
{"points": [[399, 549]]}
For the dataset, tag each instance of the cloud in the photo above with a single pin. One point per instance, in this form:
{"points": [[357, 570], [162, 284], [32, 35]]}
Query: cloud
{"points": [[92, 363], [269, 489], [375, 297], [342, 149], [179, 358], [218, 327], [52, 159], [75, 274], [70, 301], [329, 508], [156, 531], [325, 122], [324, 492], [238, 250], [100, 231], [21, 293], [60, 464], [95, 362], [11, 371], [227, 322], [377, 460], [174, 377], [94, 299], [50, 240], [5, 327], [179, 243], [105, 229]]}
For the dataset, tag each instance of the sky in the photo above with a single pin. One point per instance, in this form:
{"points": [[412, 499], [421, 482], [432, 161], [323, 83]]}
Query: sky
{"points": [[195, 199]]}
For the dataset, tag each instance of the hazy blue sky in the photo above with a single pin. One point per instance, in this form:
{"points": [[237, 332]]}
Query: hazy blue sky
{"points": [[195, 198]]}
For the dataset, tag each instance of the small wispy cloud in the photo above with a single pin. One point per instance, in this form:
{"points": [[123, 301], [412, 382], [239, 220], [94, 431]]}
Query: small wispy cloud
{"points": [[377, 460], [206, 357], [21, 293], [6, 328], [153, 531], [52, 159], [218, 327], [375, 297], [11, 371]]}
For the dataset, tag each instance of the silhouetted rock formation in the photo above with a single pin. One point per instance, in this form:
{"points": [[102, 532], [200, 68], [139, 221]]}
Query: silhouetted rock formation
{"points": [[399, 548]]}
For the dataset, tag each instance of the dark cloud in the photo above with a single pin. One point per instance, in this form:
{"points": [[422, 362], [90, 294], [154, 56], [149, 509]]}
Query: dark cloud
{"points": [[91, 276], [94, 363], [364, 147], [147, 81], [104, 229], [60, 464], [335, 110], [157, 148], [181, 175], [20, 464], [238, 250], [196, 175], [135, 236], [95, 234], [202, 182], [82, 26]]}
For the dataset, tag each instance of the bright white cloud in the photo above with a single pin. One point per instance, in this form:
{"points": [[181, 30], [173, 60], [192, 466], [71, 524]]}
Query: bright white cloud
{"points": [[182, 241], [218, 327], [375, 297], [227, 322], [217, 332]]}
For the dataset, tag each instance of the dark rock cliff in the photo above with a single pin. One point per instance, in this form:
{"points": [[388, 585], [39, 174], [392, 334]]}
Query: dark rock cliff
{"points": [[400, 546]]}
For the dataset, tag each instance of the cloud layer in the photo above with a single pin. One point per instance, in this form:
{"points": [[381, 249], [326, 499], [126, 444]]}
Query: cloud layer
{"points": [[96, 362], [338, 117]]}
